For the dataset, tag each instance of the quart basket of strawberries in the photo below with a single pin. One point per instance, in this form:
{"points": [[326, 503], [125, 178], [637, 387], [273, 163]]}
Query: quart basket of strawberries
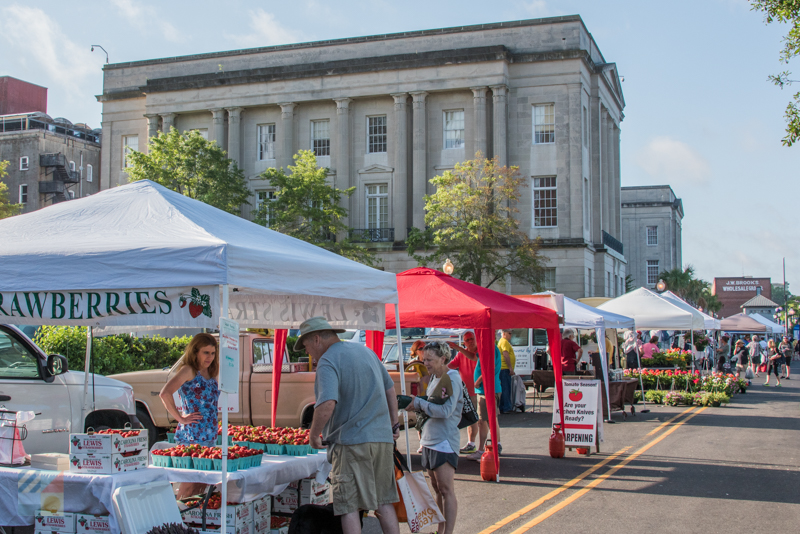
{"points": [[273, 440], [203, 458]]}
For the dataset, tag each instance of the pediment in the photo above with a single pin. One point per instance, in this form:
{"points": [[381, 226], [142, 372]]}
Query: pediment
{"points": [[376, 169]]}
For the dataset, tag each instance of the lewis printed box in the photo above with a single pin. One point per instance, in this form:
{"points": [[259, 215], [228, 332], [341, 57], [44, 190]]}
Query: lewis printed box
{"points": [[262, 508], [92, 524], [107, 443], [236, 516], [46, 521], [106, 464], [306, 491]]}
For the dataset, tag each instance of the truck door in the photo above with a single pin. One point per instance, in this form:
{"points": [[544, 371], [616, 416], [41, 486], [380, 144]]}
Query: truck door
{"points": [[22, 388]]}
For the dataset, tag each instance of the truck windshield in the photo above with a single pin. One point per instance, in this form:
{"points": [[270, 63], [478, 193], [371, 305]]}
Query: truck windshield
{"points": [[347, 335], [390, 353], [405, 332]]}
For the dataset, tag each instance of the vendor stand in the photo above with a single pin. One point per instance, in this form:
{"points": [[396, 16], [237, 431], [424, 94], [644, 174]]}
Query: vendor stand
{"points": [[159, 250]]}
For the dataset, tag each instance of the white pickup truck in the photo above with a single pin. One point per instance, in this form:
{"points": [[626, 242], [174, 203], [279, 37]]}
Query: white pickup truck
{"points": [[30, 380]]}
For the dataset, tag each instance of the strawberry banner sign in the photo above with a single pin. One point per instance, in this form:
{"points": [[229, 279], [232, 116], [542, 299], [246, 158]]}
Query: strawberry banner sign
{"points": [[583, 415], [193, 306]]}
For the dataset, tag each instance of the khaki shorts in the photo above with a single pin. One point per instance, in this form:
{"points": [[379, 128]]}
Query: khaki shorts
{"points": [[483, 412], [362, 477]]}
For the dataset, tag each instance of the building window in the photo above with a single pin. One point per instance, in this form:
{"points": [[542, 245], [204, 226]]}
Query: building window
{"points": [[454, 129], [130, 143], [652, 272], [652, 235], [376, 134], [377, 206], [24, 163], [23, 194], [550, 279], [89, 176], [263, 207], [72, 166], [544, 202], [544, 124], [266, 141], [321, 138]]}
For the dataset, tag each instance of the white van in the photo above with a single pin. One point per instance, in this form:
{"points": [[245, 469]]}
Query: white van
{"points": [[526, 341]]}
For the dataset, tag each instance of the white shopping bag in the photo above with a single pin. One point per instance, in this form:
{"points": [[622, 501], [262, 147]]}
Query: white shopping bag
{"points": [[421, 510], [11, 449]]}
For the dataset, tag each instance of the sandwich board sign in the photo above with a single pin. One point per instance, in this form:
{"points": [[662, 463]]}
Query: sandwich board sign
{"points": [[583, 413]]}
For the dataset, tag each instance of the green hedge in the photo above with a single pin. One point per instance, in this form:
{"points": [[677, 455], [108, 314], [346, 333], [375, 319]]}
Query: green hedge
{"points": [[116, 354]]}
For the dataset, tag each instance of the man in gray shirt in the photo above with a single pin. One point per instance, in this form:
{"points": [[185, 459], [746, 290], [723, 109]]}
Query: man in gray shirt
{"points": [[356, 413], [755, 354]]}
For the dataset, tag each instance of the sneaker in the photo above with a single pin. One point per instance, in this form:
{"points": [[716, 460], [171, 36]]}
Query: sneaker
{"points": [[469, 448], [766, 385], [777, 385], [499, 449], [477, 455]]}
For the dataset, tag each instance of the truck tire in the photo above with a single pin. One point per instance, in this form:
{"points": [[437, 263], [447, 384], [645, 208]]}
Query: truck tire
{"points": [[147, 423], [308, 416]]}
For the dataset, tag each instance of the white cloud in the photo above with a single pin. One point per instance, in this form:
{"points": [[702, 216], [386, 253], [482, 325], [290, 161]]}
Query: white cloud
{"points": [[33, 37], [145, 18], [667, 160], [266, 31]]}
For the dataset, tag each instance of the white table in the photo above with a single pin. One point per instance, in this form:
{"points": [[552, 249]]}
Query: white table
{"points": [[21, 488], [270, 478]]}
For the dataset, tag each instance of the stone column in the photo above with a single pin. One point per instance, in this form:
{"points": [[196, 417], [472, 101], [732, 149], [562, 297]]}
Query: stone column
{"points": [[500, 126], [479, 122], [234, 134], [217, 132], [400, 178], [603, 181], [287, 134], [420, 159], [342, 158], [618, 184], [168, 122], [608, 157], [152, 124]]}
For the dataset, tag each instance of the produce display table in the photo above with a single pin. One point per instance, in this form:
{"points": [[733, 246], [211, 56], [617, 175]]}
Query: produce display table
{"points": [[270, 478], [21, 489], [621, 392]]}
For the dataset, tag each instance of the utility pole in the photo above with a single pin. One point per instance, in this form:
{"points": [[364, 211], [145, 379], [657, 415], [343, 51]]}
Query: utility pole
{"points": [[785, 300]]}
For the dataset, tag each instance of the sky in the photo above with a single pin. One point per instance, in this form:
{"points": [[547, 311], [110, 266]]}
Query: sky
{"points": [[700, 114]]}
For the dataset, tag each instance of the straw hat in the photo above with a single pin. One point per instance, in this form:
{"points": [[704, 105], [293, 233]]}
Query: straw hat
{"points": [[315, 324]]}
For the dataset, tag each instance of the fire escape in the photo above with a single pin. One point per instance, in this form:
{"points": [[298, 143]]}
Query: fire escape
{"points": [[56, 166]]}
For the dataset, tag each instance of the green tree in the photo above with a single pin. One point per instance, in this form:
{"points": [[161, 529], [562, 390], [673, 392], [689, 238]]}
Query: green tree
{"points": [[7, 209], [192, 166], [629, 284], [307, 207], [785, 12], [779, 295], [471, 220]]}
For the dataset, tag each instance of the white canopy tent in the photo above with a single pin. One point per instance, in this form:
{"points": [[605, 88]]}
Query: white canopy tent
{"points": [[772, 325], [584, 317], [710, 323], [139, 253]]}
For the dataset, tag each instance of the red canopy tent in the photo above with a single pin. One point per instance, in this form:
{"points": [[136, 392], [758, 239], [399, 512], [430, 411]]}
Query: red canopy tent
{"points": [[432, 299]]}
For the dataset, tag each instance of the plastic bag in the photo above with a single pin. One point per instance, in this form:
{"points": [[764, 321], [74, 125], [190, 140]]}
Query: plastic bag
{"points": [[748, 374], [11, 449]]}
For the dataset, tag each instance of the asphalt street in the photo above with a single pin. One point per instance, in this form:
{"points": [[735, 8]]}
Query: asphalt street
{"points": [[676, 469]]}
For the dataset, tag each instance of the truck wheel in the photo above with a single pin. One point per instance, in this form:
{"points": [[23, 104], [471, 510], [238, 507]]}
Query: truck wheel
{"points": [[147, 423]]}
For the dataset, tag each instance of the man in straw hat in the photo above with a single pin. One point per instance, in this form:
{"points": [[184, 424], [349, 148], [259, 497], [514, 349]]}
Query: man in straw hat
{"points": [[356, 413]]}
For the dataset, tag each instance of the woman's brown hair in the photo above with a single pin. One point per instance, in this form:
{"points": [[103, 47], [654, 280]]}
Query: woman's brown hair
{"points": [[190, 355], [417, 345]]}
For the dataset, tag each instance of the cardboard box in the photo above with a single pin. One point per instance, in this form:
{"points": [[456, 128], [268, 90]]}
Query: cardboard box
{"points": [[236, 515], [307, 491], [37, 531], [262, 508], [106, 464], [262, 525], [54, 522], [282, 530], [92, 524], [279, 525], [244, 528], [106, 443], [50, 461]]}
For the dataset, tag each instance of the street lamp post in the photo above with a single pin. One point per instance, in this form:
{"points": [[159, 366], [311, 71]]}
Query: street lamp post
{"points": [[448, 267], [661, 286]]}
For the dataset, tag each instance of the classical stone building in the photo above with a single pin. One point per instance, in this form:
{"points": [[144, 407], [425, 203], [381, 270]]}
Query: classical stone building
{"points": [[50, 160], [651, 232], [387, 113]]}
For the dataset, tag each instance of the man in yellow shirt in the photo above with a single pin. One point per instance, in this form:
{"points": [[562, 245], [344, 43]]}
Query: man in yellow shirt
{"points": [[509, 360]]}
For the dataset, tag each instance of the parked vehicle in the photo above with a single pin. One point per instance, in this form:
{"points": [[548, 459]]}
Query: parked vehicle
{"points": [[526, 343], [253, 404], [30, 380], [354, 336]]}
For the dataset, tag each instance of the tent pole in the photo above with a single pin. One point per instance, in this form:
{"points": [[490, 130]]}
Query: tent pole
{"points": [[224, 405], [601, 333], [691, 348], [86, 372], [402, 368]]}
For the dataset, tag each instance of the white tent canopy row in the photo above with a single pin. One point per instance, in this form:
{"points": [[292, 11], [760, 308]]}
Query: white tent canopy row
{"points": [[651, 311], [141, 254], [709, 323], [773, 327]]}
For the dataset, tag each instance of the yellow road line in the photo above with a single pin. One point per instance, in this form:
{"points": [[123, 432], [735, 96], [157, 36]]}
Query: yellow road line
{"points": [[538, 502], [596, 482]]}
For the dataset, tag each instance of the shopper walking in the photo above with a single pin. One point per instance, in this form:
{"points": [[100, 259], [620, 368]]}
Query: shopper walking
{"points": [[630, 350], [509, 360], [440, 434], [774, 362], [196, 383], [356, 413], [723, 353], [465, 362], [785, 348], [650, 347], [755, 350], [741, 357]]}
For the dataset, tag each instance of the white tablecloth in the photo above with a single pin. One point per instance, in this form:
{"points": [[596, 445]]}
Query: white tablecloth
{"points": [[270, 478], [21, 488]]}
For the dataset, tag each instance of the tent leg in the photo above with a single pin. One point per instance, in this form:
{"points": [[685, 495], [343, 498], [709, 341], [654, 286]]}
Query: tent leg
{"points": [[402, 368], [86, 373], [224, 405]]}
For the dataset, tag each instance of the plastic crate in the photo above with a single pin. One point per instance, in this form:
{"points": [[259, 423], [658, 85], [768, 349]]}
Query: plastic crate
{"points": [[256, 460], [171, 437], [230, 440], [182, 462], [233, 465], [296, 450], [275, 449], [141, 507], [203, 464], [257, 446], [161, 461]]}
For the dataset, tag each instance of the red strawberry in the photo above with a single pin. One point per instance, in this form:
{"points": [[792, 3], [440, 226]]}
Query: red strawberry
{"points": [[195, 309]]}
